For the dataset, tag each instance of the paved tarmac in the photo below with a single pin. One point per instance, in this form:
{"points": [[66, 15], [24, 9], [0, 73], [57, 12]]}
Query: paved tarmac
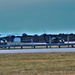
{"points": [[37, 50]]}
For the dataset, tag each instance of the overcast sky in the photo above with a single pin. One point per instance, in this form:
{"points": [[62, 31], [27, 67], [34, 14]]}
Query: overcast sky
{"points": [[37, 16]]}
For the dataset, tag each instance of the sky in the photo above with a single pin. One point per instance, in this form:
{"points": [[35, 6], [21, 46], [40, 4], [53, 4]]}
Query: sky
{"points": [[37, 16]]}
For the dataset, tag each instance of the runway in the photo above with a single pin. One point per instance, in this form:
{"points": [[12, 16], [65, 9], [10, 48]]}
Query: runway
{"points": [[37, 50]]}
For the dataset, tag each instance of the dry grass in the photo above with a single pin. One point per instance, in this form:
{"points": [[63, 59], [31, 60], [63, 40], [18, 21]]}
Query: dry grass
{"points": [[37, 64]]}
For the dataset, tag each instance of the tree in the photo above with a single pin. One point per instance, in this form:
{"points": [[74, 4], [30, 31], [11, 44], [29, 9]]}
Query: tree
{"points": [[24, 34], [45, 38]]}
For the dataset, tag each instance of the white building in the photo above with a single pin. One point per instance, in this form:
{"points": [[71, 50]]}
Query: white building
{"points": [[17, 40]]}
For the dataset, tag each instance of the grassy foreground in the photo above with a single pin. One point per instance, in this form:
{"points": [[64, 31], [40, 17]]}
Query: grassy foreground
{"points": [[37, 64]]}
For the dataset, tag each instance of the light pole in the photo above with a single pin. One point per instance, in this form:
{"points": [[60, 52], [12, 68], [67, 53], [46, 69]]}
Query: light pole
{"points": [[50, 39], [68, 38]]}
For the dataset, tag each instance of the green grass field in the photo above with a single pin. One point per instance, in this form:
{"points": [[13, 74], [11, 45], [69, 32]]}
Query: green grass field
{"points": [[37, 64]]}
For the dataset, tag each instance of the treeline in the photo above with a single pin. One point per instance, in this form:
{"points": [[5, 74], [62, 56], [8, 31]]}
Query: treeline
{"points": [[39, 38]]}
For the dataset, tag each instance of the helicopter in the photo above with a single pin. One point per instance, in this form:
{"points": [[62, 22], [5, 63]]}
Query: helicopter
{"points": [[54, 39], [57, 40], [3, 41]]}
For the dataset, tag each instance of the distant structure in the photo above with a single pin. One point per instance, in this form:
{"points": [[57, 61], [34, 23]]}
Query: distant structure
{"points": [[17, 40], [44, 38]]}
